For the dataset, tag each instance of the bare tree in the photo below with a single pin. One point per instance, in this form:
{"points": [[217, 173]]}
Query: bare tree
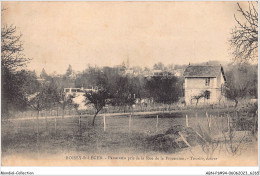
{"points": [[244, 40], [203, 94]]}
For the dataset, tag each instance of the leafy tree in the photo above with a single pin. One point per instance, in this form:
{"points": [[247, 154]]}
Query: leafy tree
{"points": [[67, 80], [163, 89], [244, 40], [159, 66], [139, 87], [88, 78], [44, 75], [69, 71], [99, 99], [241, 82], [28, 81], [103, 81], [66, 101], [12, 95], [45, 97], [125, 94], [16, 90], [252, 75], [12, 57], [12, 61]]}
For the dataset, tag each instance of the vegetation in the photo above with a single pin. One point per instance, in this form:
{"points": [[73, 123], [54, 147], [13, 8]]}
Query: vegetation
{"points": [[124, 92], [12, 61], [241, 82], [172, 136], [163, 89], [244, 40], [113, 86], [203, 94], [123, 87]]}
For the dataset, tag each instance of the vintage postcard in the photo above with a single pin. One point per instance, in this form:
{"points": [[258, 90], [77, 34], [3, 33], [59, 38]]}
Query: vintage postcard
{"points": [[129, 83]]}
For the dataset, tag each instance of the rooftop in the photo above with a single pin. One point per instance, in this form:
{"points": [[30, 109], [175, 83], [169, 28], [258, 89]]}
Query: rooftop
{"points": [[203, 71]]}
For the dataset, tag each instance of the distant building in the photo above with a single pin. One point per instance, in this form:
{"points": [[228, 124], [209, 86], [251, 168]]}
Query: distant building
{"points": [[78, 91], [207, 81], [146, 73], [73, 92], [178, 72], [158, 72]]}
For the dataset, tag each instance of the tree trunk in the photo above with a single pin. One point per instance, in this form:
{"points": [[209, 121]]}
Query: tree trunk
{"points": [[93, 122], [57, 110], [6, 107], [255, 125], [37, 135], [236, 102], [63, 108], [37, 122]]}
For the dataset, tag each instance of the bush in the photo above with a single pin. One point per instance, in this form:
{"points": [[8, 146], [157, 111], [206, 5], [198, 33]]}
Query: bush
{"points": [[171, 141]]}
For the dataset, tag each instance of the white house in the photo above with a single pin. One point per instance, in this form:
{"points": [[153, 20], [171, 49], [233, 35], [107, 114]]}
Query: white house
{"points": [[204, 84]]}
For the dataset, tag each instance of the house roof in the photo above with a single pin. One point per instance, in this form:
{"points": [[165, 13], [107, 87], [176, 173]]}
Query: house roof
{"points": [[203, 71]]}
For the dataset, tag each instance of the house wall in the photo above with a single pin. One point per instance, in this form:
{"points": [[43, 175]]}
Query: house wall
{"points": [[199, 83], [194, 86], [220, 80]]}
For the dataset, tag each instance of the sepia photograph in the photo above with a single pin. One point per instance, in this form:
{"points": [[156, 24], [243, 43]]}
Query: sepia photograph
{"points": [[126, 83]]}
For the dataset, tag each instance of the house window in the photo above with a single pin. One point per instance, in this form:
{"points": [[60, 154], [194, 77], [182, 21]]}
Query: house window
{"points": [[207, 81], [207, 94]]}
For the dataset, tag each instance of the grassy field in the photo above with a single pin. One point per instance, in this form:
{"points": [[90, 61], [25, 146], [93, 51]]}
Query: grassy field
{"points": [[20, 136], [74, 135]]}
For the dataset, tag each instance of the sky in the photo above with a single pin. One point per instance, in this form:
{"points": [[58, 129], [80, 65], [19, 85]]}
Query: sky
{"points": [[56, 34]]}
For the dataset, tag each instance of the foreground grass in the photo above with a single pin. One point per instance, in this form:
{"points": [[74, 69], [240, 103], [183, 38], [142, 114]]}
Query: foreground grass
{"points": [[72, 136]]}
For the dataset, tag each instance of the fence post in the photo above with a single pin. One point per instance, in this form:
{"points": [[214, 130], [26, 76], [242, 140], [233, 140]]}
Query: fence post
{"points": [[210, 121], [104, 118], [129, 125], [37, 122], [62, 112], [15, 127], [157, 123], [187, 121], [197, 117], [79, 121], [46, 123], [228, 122], [57, 110], [55, 125]]}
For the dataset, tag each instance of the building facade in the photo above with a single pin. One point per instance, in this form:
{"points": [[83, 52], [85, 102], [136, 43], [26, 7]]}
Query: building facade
{"points": [[204, 85]]}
